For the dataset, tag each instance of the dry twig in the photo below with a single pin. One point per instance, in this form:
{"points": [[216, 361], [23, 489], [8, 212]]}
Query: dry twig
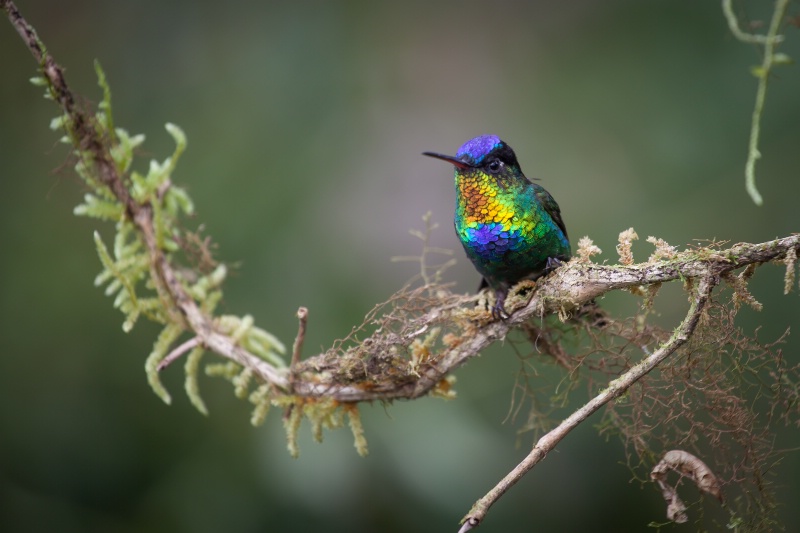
{"points": [[614, 390]]}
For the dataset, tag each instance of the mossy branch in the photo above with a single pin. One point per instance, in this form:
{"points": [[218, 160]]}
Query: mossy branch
{"points": [[143, 269], [336, 373], [146, 209], [615, 389], [421, 335]]}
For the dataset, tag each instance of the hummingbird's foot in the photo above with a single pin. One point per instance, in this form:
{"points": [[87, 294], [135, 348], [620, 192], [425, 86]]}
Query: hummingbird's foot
{"points": [[552, 264], [499, 310]]}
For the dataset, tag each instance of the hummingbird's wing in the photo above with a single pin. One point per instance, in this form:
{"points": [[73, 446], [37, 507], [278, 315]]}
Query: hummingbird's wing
{"points": [[551, 207]]}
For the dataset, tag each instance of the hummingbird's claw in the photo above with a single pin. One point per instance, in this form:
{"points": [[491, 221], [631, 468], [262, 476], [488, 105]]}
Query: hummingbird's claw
{"points": [[499, 310]]}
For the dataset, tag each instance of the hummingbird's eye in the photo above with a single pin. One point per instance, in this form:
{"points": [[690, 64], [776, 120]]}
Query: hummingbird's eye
{"points": [[494, 165]]}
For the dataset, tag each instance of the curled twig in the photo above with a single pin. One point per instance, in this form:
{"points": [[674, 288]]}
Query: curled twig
{"points": [[687, 465]]}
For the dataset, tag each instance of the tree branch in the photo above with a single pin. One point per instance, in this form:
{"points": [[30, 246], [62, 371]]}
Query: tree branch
{"points": [[566, 290], [87, 139], [323, 376], [615, 389], [423, 334]]}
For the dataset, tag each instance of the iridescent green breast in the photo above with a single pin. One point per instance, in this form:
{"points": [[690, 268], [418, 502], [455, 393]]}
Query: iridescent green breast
{"points": [[505, 229]]}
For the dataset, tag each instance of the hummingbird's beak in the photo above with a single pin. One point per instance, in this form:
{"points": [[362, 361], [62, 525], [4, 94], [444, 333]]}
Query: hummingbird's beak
{"points": [[449, 158]]}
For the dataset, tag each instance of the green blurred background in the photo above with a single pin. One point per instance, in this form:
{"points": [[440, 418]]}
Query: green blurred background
{"points": [[305, 122]]}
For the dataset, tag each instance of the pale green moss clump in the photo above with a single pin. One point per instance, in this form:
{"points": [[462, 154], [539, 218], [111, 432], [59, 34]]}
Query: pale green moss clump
{"points": [[130, 272]]}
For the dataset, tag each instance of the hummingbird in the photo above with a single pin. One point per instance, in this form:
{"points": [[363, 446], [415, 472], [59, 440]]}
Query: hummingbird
{"points": [[510, 227]]}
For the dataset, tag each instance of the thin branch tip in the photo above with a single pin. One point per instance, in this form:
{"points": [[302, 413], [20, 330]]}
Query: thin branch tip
{"points": [[469, 523], [178, 351], [297, 348]]}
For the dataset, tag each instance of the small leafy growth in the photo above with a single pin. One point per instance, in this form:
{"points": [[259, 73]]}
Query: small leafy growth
{"points": [[130, 272]]}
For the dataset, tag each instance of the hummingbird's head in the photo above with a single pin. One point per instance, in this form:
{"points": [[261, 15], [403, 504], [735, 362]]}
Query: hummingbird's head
{"points": [[485, 153]]}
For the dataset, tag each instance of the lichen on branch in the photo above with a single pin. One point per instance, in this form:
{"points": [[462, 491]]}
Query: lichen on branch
{"points": [[410, 345]]}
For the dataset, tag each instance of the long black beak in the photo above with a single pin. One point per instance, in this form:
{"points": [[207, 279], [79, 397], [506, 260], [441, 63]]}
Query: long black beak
{"points": [[449, 158]]}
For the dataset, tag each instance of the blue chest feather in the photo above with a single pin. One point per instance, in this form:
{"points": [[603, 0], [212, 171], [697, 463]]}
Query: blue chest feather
{"points": [[492, 241]]}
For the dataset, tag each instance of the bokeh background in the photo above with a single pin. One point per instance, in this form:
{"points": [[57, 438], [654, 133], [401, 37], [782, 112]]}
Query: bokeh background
{"points": [[305, 123]]}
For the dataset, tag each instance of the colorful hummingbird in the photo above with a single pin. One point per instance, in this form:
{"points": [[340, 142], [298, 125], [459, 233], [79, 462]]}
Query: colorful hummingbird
{"points": [[511, 228]]}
